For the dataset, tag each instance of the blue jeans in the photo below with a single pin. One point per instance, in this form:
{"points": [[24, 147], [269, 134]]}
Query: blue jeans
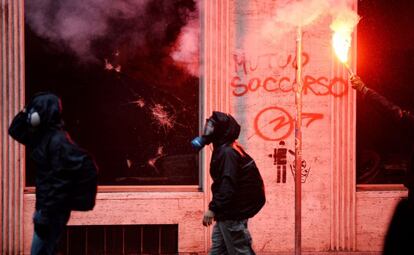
{"points": [[231, 237], [47, 235]]}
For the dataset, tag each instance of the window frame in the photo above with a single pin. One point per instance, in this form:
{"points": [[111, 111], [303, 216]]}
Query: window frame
{"points": [[199, 187]]}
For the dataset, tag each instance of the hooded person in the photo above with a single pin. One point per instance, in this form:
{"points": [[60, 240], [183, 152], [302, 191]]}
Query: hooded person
{"points": [[237, 188], [39, 126]]}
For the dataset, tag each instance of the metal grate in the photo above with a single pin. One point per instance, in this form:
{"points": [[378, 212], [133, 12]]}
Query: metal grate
{"points": [[119, 239]]}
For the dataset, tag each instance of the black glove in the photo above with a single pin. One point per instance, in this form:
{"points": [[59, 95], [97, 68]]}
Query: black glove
{"points": [[19, 128]]}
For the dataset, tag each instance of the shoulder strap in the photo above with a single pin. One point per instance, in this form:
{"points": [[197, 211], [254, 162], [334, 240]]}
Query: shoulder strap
{"points": [[243, 155], [235, 145], [248, 164]]}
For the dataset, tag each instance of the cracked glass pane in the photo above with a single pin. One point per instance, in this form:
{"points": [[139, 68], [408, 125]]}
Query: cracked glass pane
{"points": [[128, 76]]}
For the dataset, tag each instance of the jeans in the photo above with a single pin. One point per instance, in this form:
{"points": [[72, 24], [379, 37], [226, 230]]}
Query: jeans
{"points": [[47, 235], [231, 237]]}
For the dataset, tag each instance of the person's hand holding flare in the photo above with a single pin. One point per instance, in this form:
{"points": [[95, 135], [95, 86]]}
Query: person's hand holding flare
{"points": [[357, 83]]}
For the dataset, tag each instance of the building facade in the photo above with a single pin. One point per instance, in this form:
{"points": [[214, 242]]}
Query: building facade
{"points": [[250, 75]]}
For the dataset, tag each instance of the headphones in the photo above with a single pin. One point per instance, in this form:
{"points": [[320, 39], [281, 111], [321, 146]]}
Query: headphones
{"points": [[33, 118]]}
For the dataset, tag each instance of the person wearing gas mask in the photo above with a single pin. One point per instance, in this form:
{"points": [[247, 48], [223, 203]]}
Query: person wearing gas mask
{"points": [[400, 234], [237, 188], [39, 126]]}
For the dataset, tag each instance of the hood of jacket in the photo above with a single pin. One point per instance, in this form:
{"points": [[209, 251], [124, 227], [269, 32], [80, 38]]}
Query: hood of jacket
{"points": [[49, 108], [226, 128]]}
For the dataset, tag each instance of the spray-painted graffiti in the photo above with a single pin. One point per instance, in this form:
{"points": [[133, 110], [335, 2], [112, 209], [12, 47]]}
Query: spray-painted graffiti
{"points": [[320, 86], [280, 160], [305, 169], [271, 61], [244, 81], [275, 123]]}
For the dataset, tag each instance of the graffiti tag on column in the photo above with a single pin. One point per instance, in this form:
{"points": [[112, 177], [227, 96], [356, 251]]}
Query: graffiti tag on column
{"points": [[274, 123]]}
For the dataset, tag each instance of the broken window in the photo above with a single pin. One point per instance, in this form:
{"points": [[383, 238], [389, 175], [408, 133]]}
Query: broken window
{"points": [[128, 76]]}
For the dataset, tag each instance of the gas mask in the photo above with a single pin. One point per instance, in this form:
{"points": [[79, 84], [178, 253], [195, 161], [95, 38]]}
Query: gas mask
{"points": [[200, 141]]}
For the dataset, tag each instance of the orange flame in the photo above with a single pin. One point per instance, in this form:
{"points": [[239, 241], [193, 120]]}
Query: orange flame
{"points": [[343, 25], [341, 41]]}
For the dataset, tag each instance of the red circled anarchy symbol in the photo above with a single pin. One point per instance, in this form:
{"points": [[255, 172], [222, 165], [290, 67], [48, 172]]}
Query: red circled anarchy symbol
{"points": [[275, 117]]}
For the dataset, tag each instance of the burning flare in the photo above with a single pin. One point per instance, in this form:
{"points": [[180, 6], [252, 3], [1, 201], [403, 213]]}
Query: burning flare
{"points": [[341, 41], [343, 26]]}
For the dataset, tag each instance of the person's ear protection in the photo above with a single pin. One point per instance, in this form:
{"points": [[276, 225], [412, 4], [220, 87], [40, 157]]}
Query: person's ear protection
{"points": [[33, 118]]}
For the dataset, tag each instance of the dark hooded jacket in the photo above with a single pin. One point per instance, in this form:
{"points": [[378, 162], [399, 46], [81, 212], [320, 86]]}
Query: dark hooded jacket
{"points": [[238, 190], [55, 155], [406, 118]]}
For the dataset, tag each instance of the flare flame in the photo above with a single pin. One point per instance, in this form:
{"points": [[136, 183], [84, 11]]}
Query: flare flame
{"points": [[343, 26]]}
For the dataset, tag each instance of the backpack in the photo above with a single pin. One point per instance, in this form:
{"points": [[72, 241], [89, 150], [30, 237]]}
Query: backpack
{"points": [[85, 186], [84, 178], [251, 184], [253, 173]]}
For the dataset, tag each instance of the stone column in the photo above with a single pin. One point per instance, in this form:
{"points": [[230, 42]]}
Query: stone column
{"points": [[343, 162], [215, 52], [12, 158]]}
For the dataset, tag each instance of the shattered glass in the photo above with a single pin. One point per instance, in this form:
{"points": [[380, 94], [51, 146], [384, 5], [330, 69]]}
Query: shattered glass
{"points": [[128, 79]]}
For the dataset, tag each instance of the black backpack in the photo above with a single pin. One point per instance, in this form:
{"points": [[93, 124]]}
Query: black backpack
{"points": [[251, 185], [256, 186], [85, 186], [84, 177]]}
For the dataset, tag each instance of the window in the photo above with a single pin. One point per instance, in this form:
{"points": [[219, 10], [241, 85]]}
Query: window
{"points": [[128, 76], [119, 239], [385, 63]]}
